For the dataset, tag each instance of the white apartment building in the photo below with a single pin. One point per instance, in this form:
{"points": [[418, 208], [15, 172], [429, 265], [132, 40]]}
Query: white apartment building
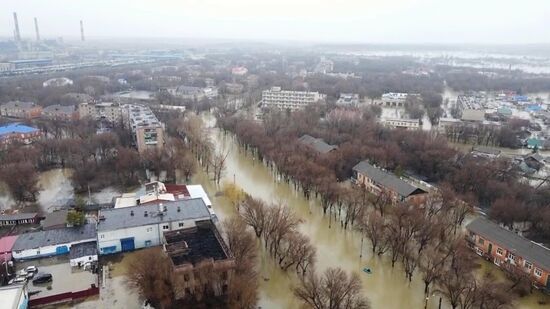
{"points": [[393, 99], [148, 130], [287, 99]]}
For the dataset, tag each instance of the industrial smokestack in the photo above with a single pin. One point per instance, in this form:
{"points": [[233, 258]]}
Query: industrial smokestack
{"points": [[17, 34], [36, 29], [82, 31]]}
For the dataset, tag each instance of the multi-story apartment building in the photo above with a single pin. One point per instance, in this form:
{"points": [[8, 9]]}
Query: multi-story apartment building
{"points": [[393, 99], [379, 181], [61, 112], [291, 100], [101, 111], [348, 99], [200, 258], [510, 251], [148, 130], [23, 110]]}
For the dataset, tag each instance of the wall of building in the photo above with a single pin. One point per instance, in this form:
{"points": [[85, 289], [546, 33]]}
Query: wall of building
{"points": [[150, 138], [500, 256], [44, 251], [83, 260], [144, 236]]}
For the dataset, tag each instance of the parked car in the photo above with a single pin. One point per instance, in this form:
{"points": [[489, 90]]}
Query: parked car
{"points": [[42, 278], [17, 280], [29, 275], [32, 269]]}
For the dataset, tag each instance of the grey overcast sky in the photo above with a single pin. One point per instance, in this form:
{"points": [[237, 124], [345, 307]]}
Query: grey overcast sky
{"points": [[361, 21]]}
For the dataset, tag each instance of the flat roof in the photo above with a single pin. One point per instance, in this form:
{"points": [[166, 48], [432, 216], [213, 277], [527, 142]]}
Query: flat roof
{"points": [[55, 237], [119, 218], [528, 250], [10, 296], [192, 245], [83, 249]]}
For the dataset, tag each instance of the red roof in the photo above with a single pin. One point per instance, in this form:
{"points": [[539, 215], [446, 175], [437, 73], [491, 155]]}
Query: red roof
{"points": [[177, 190], [6, 243]]}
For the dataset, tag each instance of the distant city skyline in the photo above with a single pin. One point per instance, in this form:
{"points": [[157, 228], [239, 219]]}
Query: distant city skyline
{"points": [[346, 21]]}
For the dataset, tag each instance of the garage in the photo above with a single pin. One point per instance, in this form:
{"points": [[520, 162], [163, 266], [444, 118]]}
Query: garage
{"points": [[127, 244]]}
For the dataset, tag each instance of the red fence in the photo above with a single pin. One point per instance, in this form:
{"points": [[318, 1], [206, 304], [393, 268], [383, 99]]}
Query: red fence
{"points": [[63, 297]]}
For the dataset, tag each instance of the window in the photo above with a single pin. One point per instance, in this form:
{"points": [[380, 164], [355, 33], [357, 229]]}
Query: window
{"points": [[500, 251], [511, 256], [538, 272], [481, 241], [147, 243], [165, 227], [528, 265], [149, 229], [186, 277], [180, 224], [102, 236]]}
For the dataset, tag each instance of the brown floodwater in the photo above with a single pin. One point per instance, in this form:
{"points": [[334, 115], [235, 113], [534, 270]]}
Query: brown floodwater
{"points": [[386, 287]]}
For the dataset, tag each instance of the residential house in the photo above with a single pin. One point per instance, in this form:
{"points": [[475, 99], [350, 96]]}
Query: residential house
{"points": [[19, 218], [129, 228], [108, 111], [195, 251], [507, 249], [317, 144], [52, 242], [23, 110], [377, 180]]}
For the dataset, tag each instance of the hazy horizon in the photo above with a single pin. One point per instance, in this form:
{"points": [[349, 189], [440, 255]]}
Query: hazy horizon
{"points": [[488, 22]]}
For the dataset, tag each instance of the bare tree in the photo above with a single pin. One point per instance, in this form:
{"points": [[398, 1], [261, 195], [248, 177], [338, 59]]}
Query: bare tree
{"points": [[217, 161], [254, 214], [374, 228], [152, 275], [333, 290]]}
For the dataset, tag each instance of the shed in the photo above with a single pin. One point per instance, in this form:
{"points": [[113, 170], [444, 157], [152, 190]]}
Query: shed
{"points": [[83, 253]]}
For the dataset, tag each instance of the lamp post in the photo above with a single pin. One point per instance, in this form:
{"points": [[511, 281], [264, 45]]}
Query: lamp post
{"points": [[361, 252]]}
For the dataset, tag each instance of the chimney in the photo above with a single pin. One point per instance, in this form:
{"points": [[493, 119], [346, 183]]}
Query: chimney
{"points": [[36, 29], [17, 34], [82, 31]]}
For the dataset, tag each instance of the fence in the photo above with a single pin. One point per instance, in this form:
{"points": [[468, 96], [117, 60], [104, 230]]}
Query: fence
{"points": [[64, 297]]}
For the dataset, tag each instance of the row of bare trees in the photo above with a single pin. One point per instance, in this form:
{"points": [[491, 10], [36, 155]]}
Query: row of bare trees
{"points": [[478, 182], [428, 241], [277, 227]]}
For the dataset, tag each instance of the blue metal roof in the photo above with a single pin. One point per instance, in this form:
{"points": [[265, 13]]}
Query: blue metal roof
{"points": [[16, 128]]}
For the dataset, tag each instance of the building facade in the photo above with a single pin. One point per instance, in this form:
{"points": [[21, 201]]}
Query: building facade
{"points": [[18, 219], [19, 133], [129, 228], [61, 112], [108, 111], [405, 124], [508, 250], [200, 258], [22, 110], [378, 181], [148, 130], [289, 100], [52, 242]]}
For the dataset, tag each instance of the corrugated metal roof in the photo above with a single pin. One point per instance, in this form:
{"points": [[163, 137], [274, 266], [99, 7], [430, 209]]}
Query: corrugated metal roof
{"points": [[317, 144], [55, 237], [528, 250], [386, 179], [119, 218], [16, 128]]}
